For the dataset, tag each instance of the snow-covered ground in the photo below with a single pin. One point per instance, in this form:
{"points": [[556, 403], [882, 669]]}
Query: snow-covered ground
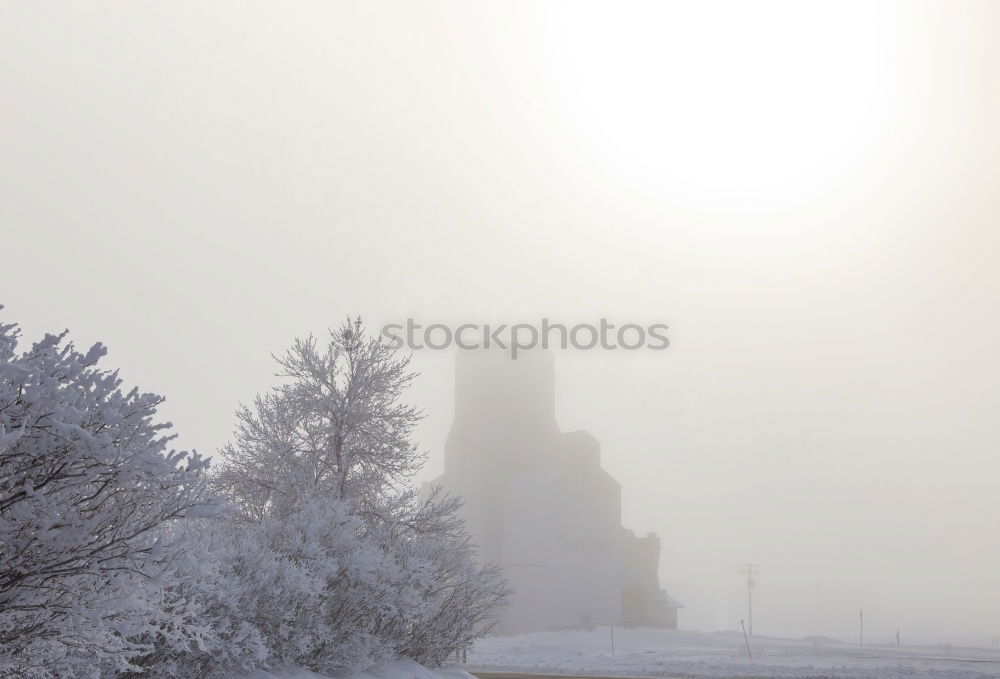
{"points": [[401, 669], [667, 653]]}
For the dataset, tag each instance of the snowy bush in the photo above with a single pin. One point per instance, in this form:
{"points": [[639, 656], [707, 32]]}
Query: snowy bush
{"points": [[92, 510], [304, 589], [457, 600]]}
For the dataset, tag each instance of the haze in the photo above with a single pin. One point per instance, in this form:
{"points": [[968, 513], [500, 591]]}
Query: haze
{"points": [[806, 195]]}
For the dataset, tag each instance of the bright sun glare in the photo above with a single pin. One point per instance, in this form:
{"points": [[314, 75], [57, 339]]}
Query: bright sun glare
{"points": [[748, 103]]}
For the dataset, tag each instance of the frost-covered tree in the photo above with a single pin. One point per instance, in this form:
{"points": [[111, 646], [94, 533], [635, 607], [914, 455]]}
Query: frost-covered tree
{"points": [[331, 560], [92, 507], [336, 427]]}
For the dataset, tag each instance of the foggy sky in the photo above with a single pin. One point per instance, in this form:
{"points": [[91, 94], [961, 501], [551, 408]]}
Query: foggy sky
{"points": [[807, 197]]}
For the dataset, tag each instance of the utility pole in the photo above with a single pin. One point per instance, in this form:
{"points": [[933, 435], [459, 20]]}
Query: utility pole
{"points": [[861, 628], [819, 625], [749, 570]]}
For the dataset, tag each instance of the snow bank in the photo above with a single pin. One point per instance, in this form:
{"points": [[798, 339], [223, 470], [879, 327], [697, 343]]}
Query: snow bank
{"points": [[401, 669]]}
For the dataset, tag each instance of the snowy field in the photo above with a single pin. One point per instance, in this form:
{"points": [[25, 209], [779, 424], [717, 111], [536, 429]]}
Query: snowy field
{"points": [[667, 653], [402, 669]]}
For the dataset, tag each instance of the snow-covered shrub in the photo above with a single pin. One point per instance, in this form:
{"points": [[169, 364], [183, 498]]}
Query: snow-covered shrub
{"points": [[457, 599], [92, 507], [305, 589]]}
